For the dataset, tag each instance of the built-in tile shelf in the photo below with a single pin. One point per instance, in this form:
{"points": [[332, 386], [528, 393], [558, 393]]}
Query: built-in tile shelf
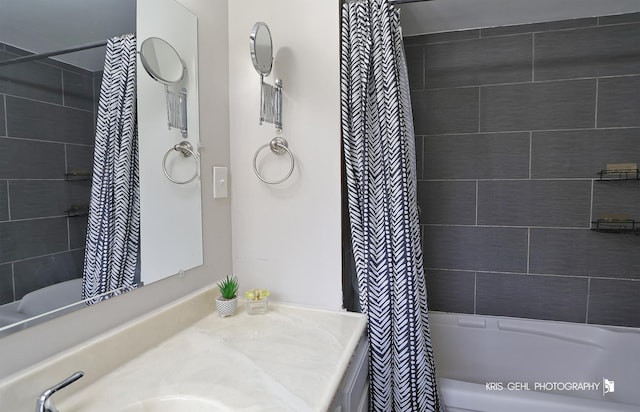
{"points": [[617, 225], [627, 226], [624, 174], [74, 176]]}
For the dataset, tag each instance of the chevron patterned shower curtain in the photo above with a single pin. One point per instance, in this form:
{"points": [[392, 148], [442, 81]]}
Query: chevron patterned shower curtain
{"points": [[113, 232], [379, 152]]}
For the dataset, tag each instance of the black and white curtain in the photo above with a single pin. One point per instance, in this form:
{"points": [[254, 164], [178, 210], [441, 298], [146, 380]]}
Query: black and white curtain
{"points": [[113, 232], [379, 152]]}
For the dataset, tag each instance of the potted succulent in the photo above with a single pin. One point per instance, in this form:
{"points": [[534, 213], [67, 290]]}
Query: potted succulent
{"points": [[257, 301], [227, 302]]}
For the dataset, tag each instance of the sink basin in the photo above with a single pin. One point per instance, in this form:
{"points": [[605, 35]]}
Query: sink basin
{"points": [[176, 403]]}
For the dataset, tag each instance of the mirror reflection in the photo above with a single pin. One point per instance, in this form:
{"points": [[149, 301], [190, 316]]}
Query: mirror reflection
{"points": [[161, 60], [47, 157], [48, 121], [261, 48]]}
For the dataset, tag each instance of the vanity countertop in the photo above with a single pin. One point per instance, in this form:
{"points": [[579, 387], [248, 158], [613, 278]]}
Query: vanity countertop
{"points": [[290, 359]]}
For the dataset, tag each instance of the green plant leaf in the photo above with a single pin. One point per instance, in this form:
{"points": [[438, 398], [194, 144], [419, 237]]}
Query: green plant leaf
{"points": [[228, 287]]}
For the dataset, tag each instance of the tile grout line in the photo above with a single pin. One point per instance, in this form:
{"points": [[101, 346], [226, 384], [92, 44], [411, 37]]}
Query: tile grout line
{"points": [[505, 226], [423, 67], [533, 57], [422, 158], [586, 315], [4, 114], [39, 217], [569, 79], [33, 179], [62, 86], [528, 249], [498, 272], [591, 208], [45, 255], [66, 160], [514, 179], [13, 280], [491, 132], [68, 233], [479, 110], [28, 139], [530, 152], [14, 96], [475, 293], [595, 120], [8, 201], [476, 202]]}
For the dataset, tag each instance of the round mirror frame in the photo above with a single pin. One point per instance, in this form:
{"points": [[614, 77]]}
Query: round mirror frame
{"points": [[253, 39], [156, 76]]}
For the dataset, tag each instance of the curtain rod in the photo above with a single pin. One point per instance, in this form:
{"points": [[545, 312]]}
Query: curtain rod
{"points": [[54, 53]]}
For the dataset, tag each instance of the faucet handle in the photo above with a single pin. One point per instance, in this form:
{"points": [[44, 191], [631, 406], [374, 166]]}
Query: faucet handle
{"points": [[44, 402]]}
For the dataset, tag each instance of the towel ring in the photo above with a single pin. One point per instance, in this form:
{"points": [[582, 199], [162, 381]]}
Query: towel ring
{"points": [[186, 149], [278, 146]]}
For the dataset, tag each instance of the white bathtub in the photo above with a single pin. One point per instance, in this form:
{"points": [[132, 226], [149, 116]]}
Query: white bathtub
{"points": [[494, 364]]}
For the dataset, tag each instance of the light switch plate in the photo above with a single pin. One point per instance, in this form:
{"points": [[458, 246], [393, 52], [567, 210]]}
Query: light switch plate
{"points": [[220, 182]]}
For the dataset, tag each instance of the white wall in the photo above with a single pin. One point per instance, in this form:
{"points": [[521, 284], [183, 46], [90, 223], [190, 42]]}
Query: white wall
{"points": [[32, 345], [171, 214], [287, 237]]}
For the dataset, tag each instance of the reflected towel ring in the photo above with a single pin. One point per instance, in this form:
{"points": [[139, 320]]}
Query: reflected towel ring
{"points": [[186, 149], [278, 146]]}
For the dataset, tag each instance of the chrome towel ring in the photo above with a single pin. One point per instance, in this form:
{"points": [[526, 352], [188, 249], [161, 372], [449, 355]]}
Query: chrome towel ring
{"points": [[186, 149], [278, 146]]}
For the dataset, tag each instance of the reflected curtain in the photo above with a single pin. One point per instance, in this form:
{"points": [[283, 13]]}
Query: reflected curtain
{"points": [[379, 153], [113, 232]]}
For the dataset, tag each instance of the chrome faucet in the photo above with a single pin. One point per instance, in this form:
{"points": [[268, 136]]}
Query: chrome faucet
{"points": [[45, 404]]}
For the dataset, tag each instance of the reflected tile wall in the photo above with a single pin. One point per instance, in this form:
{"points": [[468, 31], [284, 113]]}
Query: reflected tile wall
{"points": [[47, 112], [32, 274], [4, 201], [512, 126], [6, 284]]}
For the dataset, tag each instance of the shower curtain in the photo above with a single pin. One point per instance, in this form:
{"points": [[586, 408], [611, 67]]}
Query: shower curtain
{"points": [[113, 232], [379, 152]]}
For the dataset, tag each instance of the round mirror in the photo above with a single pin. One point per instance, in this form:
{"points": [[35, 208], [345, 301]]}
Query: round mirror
{"points": [[161, 61], [261, 48]]}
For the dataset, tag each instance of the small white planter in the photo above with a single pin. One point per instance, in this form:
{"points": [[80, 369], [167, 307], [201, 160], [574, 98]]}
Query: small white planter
{"points": [[226, 307]]}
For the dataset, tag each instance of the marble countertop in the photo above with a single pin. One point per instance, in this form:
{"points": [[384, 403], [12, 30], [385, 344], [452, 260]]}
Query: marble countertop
{"points": [[290, 359]]}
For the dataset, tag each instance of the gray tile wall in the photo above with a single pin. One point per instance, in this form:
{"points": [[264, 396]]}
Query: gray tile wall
{"points": [[47, 123], [512, 125]]}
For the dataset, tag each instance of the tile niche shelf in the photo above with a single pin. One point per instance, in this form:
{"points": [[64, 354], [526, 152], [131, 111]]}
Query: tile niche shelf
{"points": [[627, 226], [607, 175], [617, 225], [78, 176]]}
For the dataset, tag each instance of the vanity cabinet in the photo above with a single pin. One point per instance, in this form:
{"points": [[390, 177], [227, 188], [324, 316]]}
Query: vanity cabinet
{"points": [[353, 393]]}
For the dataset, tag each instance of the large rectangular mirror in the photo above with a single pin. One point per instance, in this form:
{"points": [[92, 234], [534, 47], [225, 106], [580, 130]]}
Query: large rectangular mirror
{"points": [[48, 111]]}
